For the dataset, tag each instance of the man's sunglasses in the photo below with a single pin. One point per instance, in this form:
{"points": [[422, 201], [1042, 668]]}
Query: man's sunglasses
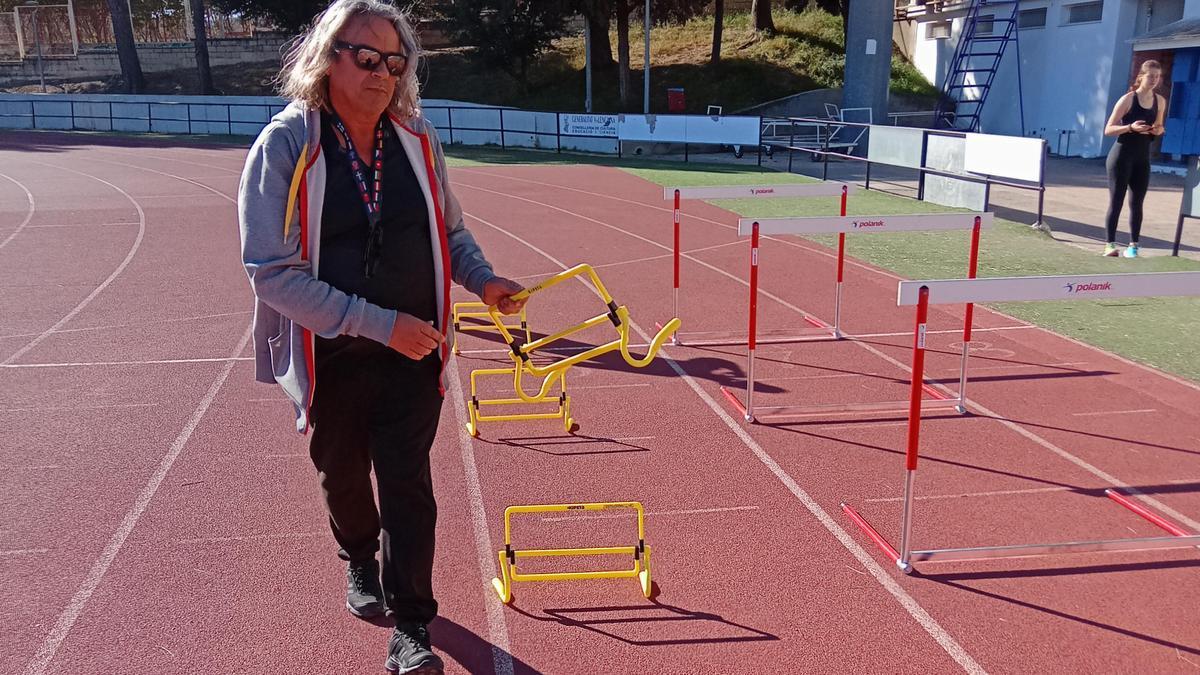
{"points": [[368, 59]]}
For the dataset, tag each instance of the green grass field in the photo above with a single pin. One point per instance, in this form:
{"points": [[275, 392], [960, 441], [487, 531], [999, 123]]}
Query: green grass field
{"points": [[1155, 331]]}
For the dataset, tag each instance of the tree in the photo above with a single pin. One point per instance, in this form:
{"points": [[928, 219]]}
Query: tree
{"points": [[508, 34], [718, 26], [131, 67], [200, 41], [761, 9], [598, 15], [287, 15], [837, 8], [623, 8], [676, 11]]}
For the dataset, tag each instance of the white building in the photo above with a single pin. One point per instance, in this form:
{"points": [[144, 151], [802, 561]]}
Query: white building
{"points": [[1077, 58]]}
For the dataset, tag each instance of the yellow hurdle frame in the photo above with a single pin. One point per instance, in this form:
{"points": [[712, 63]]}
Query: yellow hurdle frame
{"points": [[618, 315], [554, 372], [563, 412], [479, 310], [509, 556]]}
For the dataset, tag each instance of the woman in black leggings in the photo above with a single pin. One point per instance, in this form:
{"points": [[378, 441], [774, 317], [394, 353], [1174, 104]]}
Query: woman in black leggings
{"points": [[1135, 121]]}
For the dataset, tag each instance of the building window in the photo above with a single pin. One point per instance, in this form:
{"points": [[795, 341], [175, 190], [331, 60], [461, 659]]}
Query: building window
{"points": [[1032, 18], [1085, 12], [937, 30], [984, 25]]}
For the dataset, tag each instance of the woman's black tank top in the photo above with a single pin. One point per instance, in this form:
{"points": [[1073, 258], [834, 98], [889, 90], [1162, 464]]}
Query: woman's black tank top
{"points": [[1137, 112]]}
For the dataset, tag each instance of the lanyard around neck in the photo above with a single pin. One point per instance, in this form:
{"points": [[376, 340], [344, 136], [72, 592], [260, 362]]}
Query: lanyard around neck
{"points": [[372, 195]]}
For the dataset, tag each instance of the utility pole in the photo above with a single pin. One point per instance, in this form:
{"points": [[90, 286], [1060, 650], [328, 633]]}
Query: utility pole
{"points": [[37, 41], [587, 65], [646, 68]]}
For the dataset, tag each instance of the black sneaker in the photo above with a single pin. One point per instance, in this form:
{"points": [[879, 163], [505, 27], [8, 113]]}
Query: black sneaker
{"points": [[409, 651], [364, 595]]}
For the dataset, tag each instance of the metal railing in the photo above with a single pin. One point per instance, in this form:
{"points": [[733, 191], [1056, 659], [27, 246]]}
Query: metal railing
{"points": [[90, 115], [829, 141], [505, 129]]}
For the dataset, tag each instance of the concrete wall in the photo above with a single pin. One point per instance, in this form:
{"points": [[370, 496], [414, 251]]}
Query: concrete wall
{"points": [[1072, 74], [100, 62]]}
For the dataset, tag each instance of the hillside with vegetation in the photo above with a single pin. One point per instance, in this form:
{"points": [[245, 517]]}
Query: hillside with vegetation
{"points": [[806, 52]]}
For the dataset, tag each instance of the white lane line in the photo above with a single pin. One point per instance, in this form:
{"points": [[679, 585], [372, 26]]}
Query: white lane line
{"points": [[81, 407], [286, 455], [66, 620], [609, 386], [914, 609], [88, 364], [1114, 412], [993, 493], [137, 243], [25, 551], [208, 188], [252, 537], [141, 325], [502, 661], [35, 467], [680, 512], [28, 216], [87, 225], [1185, 480]]}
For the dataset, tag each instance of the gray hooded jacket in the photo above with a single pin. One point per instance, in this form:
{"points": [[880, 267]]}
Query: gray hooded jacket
{"points": [[279, 211]]}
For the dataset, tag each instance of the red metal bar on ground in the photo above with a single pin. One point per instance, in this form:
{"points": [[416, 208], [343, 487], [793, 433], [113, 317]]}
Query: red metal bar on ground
{"points": [[871, 532], [1146, 513], [733, 398], [928, 389], [918, 375]]}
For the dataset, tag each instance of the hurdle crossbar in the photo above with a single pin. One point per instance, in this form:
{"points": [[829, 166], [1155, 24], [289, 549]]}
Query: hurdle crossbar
{"points": [[974, 222], [821, 189], [1019, 289]]}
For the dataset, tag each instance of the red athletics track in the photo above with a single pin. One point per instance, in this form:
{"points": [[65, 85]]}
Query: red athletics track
{"points": [[160, 516]]}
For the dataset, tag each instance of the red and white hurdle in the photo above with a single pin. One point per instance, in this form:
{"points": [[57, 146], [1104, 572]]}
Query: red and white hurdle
{"points": [[842, 225], [822, 189], [1018, 289]]}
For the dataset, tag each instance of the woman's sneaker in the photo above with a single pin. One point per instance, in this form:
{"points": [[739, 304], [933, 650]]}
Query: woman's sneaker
{"points": [[409, 651], [1111, 250], [1132, 251]]}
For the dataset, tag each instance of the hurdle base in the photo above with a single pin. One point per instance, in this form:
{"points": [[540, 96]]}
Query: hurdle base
{"points": [[788, 412], [1179, 538]]}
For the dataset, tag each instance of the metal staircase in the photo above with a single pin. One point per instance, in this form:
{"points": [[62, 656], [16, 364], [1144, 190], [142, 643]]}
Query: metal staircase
{"points": [[977, 57]]}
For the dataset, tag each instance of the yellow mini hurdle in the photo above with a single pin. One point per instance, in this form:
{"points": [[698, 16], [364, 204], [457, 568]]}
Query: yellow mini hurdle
{"points": [[479, 310], [509, 556], [555, 372], [562, 400]]}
